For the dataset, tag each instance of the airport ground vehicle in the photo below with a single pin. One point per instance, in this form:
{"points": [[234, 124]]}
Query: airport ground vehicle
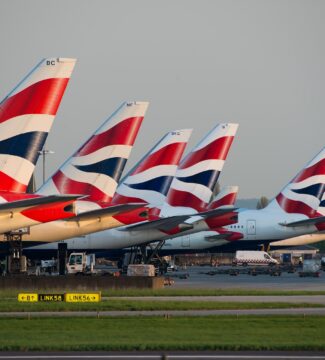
{"points": [[310, 268], [253, 258], [81, 263], [323, 263]]}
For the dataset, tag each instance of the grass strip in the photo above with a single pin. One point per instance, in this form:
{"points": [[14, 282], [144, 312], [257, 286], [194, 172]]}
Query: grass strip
{"points": [[157, 333], [207, 292], [7, 294], [133, 305]]}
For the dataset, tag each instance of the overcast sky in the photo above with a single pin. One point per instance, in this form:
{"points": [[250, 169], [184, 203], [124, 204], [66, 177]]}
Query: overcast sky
{"points": [[258, 63]]}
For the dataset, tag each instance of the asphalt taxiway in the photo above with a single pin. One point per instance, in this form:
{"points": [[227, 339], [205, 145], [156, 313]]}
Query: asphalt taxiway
{"points": [[183, 313], [199, 279]]}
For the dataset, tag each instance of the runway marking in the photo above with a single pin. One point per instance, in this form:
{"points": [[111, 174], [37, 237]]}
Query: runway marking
{"points": [[299, 357]]}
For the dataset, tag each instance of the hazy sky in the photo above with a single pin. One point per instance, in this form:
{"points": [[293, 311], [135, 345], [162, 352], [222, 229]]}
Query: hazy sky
{"points": [[258, 63]]}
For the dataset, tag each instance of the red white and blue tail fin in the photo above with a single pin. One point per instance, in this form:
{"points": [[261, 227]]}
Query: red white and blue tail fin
{"points": [[226, 197], [149, 180], [304, 193], [321, 208], [96, 168], [196, 177], [26, 117]]}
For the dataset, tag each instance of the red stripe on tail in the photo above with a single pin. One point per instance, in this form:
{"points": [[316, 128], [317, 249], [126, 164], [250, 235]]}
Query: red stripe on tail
{"points": [[43, 97], [218, 149], [316, 169], [120, 134], [293, 206], [229, 199], [69, 186], [7, 183], [183, 198], [168, 155]]}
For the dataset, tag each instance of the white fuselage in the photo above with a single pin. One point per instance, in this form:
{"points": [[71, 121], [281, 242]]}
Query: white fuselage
{"points": [[252, 224], [65, 229], [117, 238]]}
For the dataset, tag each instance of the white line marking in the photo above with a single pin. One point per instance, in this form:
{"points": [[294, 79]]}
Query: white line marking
{"points": [[159, 356]]}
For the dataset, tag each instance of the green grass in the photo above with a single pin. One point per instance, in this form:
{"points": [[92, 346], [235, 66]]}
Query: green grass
{"points": [[5, 294], [207, 292], [133, 305], [157, 333]]}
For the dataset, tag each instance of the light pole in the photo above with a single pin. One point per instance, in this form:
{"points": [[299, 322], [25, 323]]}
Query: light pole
{"points": [[43, 153]]}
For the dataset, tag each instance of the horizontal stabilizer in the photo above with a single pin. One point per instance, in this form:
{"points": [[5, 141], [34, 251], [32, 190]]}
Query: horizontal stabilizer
{"points": [[108, 211], [217, 212], [306, 222], [160, 224], [169, 223], [18, 205]]}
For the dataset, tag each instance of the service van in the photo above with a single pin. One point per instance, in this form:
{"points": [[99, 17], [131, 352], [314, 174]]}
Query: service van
{"points": [[253, 258]]}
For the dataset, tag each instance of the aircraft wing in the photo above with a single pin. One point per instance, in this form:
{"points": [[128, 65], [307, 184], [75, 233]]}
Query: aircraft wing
{"points": [[108, 211], [19, 205], [305, 222]]}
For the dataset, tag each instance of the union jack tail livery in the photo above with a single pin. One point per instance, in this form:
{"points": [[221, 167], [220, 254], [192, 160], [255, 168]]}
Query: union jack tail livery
{"points": [[304, 193], [96, 168], [226, 197], [26, 116], [321, 208], [321, 212], [150, 178], [191, 189]]}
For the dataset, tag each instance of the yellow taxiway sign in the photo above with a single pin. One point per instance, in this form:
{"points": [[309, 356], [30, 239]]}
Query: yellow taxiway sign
{"points": [[67, 297]]}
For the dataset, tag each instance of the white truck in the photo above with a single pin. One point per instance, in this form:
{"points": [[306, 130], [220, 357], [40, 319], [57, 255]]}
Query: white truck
{"points": [[245, 257], [81, 263]]}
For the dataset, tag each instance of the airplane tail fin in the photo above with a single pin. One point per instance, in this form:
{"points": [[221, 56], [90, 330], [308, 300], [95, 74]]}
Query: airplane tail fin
{"points": [[304, 193], [96, 168], [26, 117], [191, 189], [321, 208], [149, 180], [321, 212], [226, 197]]}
